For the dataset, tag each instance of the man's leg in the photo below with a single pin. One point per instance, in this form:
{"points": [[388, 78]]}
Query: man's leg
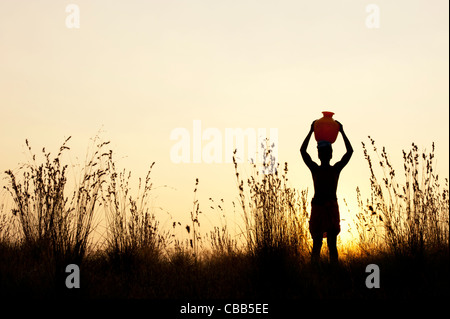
{"points": [[317, 246], [332, 247]]}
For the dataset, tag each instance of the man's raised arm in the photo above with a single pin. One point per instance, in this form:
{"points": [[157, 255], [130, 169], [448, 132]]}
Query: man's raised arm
{"points": [[346, 158], [306, 158]]}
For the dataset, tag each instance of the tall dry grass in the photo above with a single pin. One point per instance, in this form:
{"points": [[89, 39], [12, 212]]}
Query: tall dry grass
{"points": [[51, 225], [8, 224], [408, 217], [132, 228], [275, 214], [139, 260], [222, 241]]}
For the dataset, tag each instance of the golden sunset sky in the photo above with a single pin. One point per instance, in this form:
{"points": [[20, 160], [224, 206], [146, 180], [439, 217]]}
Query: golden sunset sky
{"points": [[138, 69]]}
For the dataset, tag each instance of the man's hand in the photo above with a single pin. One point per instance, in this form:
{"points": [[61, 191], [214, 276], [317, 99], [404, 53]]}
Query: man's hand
{"points": [[341, 128]]}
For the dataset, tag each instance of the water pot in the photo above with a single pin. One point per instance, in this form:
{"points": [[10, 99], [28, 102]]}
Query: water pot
{"points": [[326, 128]]}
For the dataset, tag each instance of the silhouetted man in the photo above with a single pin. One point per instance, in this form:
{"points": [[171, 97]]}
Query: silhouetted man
{"points": [[324, 221]]}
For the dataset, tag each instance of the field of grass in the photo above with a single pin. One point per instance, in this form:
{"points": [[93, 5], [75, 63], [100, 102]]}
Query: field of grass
{"points": [[403, 228]]}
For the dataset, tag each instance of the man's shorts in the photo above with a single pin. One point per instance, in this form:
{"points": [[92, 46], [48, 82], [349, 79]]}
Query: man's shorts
{"points": [[324, 218]]}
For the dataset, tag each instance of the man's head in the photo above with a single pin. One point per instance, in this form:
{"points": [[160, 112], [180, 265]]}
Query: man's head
{"points": [[325, 151]]}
